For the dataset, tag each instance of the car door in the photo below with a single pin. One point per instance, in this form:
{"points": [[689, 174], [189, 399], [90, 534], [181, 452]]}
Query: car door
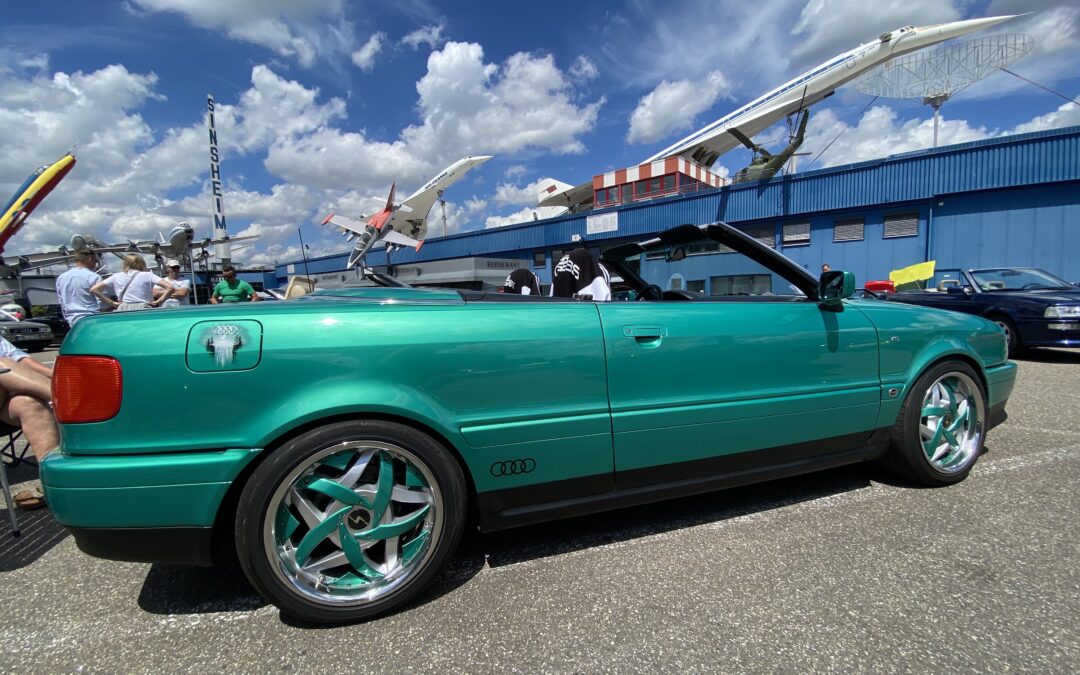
{"points": [[717, 386]]}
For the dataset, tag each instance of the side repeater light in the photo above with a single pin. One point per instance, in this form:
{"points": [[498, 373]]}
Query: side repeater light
{"points": [[86, 389]]}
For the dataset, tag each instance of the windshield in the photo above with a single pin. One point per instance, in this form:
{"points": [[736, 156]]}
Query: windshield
{"points": [[1016, 279]]}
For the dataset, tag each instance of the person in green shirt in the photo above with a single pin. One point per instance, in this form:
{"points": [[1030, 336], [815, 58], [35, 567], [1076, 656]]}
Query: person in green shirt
{"points": [[231, 289]]}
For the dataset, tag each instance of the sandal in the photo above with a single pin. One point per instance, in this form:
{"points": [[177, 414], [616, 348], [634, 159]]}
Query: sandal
{"points": [[29, 500]]}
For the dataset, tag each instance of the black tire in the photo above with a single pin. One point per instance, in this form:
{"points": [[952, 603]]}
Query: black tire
{"points": [[906, 456], [37, 346], [1012, 337], [261, 552]]}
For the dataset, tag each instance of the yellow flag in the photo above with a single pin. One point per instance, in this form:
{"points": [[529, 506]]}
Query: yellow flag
{"points": [[908, 275]]}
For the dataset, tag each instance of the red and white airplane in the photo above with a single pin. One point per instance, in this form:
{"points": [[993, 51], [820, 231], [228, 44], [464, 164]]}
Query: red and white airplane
{"points": [[400, 225]]}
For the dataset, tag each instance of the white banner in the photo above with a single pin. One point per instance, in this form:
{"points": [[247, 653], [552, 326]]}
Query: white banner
{"points": [[604, 222]]}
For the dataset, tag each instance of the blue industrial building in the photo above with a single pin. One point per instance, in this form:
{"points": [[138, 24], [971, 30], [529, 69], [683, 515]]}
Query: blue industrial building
{"points": [[1007, 201]]}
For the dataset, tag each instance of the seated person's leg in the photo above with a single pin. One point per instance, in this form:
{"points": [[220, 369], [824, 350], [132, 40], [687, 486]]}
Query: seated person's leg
{"points": [[36, 420], [20, 379]]}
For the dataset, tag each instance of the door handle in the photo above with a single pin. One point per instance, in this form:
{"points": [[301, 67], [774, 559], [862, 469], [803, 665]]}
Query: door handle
{"points": [[645, 334]]}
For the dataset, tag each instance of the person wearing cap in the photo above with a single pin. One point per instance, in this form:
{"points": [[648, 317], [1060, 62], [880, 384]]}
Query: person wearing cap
{"points": [[181, 287]]}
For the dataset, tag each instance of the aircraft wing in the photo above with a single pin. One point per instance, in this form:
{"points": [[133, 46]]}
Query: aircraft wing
{"points": [[567, 196], [399, 239], [210, 242], [346, 224]]}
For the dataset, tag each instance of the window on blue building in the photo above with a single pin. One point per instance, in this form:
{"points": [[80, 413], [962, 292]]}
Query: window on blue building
{"points": [[796, 234], [539, 259], [901, 225], [848, 229]]}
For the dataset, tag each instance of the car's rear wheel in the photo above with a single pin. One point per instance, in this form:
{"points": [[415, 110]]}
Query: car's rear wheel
{"points": [[350, 520], [941, 428]]}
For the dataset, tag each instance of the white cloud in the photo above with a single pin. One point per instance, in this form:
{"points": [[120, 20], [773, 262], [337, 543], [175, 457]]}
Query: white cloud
{"points": [[506, 194], [467, 107], [133, 180], [1065, 116], [525, 215], [364, 58], [431, 35], [584, 69], [289, 28], [515, 171], [880, 132], [673, 106]]}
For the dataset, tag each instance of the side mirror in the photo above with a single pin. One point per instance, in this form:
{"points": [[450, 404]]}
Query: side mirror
{"points": [[675, 254], [834, 286]]}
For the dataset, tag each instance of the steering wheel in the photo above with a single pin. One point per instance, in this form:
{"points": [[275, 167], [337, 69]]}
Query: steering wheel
{"points": [[651, 292]]}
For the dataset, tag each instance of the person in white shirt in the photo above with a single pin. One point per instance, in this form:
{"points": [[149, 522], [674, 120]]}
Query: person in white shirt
{"points": [[133, 287], [73, 287], [181, 287]]}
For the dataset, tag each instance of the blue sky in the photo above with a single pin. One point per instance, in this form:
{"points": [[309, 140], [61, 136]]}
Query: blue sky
{"points": [[324, 103]]}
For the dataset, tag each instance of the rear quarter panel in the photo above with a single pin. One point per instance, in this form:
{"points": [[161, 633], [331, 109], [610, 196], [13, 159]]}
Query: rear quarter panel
{"points": [[498, 381]]}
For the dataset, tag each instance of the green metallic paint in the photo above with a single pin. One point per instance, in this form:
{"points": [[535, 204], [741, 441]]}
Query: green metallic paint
{"points": [[729, 377], [140, 491], [499, 381]]}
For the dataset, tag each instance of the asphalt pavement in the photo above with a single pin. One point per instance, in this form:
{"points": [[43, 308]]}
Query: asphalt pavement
{"points": [[842, 571]]}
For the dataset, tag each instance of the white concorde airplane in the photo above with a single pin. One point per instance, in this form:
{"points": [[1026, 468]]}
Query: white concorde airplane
{"points": [[403, 224], [705, 145]]}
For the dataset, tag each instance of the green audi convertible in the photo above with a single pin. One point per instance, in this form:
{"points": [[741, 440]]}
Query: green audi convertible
{"points": [[339, 444]]}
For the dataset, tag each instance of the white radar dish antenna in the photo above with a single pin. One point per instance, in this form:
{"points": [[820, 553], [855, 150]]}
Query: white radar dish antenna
{"points": [[934, 76]]}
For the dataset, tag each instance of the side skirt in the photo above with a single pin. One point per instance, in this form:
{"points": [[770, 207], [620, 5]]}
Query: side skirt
{"points": [[502, 509]]}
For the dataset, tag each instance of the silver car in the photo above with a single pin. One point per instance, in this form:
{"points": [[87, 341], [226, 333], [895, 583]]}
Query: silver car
{"points": [[28, 335]]}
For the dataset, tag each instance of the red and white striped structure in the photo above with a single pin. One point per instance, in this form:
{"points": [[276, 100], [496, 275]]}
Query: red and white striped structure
{"points": [[673, 175]]}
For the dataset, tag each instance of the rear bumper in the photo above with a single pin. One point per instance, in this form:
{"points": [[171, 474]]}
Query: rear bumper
{"points": [[173, 545], [146, 508]]}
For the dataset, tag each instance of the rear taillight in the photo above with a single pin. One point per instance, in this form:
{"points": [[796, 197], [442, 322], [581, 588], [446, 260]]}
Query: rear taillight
{"points": [[86, 388]]}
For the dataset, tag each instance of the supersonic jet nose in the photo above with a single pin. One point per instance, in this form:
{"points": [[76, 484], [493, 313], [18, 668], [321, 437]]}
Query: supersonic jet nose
{"points": [[928, 35]]}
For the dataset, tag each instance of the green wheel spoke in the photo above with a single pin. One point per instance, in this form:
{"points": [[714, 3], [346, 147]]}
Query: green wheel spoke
{"points": [[930, 446], [356, 555], [413, 547], [386, 486], [337, 491], [934, 411], [318, 533], [396, 528]]}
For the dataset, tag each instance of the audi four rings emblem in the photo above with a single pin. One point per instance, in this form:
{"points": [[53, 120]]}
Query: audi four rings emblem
{"points": [[513, 467]]}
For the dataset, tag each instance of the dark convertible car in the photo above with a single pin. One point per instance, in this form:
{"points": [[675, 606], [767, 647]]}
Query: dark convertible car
{"points": [[1033, 307]]}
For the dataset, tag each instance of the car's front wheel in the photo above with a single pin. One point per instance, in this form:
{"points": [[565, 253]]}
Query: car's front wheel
{"points": [[941, 427], [350, 520]]}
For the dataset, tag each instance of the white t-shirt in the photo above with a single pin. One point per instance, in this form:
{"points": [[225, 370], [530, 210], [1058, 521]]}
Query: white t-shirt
{"points": [[175, 301], [141, 288], [73, 293]]}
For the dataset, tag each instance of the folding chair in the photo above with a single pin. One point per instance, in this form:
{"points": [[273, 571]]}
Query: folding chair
{"points": [[10, 434]]}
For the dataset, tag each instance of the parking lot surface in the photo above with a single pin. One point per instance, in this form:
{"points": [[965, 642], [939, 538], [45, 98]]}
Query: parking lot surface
{"points": [[844, 571]]}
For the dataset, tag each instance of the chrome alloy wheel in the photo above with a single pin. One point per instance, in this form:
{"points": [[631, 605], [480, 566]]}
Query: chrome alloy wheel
{"points": [[952, 422], [353, 523]]}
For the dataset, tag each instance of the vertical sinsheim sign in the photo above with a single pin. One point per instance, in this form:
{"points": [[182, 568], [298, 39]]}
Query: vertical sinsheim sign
{"points": [[220, 232]]}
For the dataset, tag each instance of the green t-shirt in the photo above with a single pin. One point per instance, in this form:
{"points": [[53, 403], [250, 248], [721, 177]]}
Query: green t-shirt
{"points": [[237, 291]]}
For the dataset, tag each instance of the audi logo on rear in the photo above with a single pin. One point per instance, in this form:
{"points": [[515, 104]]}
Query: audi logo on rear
{"points": [[513, 467]]}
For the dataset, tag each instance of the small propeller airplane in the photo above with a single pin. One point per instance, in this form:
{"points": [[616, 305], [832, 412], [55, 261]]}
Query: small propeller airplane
{"points": [[400, 225]]}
